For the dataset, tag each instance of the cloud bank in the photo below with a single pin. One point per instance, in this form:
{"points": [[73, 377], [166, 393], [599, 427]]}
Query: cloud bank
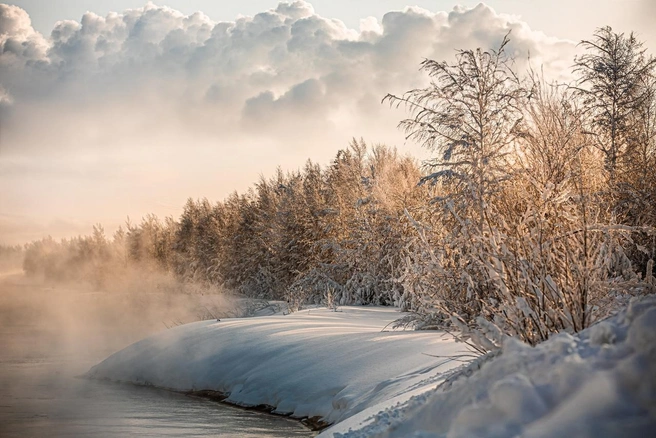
{"points": [[123, 114]]}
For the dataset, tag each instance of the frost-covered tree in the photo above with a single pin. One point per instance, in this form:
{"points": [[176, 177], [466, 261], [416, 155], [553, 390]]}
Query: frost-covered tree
{"points": [[469, 116], [524, 244], [615, 81]]}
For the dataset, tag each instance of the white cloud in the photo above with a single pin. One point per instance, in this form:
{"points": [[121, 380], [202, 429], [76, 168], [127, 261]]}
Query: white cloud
{"points": [[18, 39], [161, 91]]}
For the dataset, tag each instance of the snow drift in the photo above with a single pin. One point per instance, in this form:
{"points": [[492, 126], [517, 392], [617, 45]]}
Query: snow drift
{"points": [[314, 363], [342, 367], [599, 383]]}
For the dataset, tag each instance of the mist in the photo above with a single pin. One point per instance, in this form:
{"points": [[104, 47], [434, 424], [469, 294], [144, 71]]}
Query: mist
{"points": [[53, 332], [68, 319]]}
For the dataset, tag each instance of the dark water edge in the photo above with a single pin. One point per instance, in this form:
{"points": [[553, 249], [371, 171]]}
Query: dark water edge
{"points": [[48, 339], [315, 424]]}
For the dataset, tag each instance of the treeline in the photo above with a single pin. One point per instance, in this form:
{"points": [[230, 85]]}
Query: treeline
{"points": [[333, 233], [536, 214]]}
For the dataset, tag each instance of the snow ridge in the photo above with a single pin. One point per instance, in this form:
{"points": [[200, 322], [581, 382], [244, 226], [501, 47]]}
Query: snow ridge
{"points": [[600, 383], [315, 363]]}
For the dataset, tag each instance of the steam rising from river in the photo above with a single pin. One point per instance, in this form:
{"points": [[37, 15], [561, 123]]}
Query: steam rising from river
{"points": [[67, 319], [50, 333]]}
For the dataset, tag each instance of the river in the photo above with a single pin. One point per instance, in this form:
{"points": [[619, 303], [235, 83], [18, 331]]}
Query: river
{"points": [[50, 336]]}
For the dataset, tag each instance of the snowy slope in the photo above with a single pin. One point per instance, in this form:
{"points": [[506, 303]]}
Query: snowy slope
{"points": [[601, 383], [315, 363], [340, 366]]}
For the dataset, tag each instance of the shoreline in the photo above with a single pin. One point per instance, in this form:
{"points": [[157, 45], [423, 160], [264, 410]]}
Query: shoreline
{"points": [[341, 375], [319, 367], [314, 424]]}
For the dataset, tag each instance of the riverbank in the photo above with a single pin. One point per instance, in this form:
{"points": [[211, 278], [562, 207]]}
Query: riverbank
{"points": [[314, 363], [347, 369]]}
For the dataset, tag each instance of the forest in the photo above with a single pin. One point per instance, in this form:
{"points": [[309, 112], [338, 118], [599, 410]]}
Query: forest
{"points": [[535, 215]]}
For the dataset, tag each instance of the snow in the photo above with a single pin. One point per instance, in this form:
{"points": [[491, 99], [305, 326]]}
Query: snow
{"points": [[600, 383], [367, 382], [313, 363]]}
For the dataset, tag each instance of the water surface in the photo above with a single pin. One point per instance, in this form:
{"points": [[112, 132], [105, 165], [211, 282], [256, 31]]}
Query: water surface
{"points": [[49, 337]]}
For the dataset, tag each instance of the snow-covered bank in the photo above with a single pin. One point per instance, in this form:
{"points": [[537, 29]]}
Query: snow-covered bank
{"points": [[314, 363], [600, 383], [341, 367]]}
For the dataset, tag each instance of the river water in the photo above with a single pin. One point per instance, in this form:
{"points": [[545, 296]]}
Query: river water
{"points": [[48, 338]]}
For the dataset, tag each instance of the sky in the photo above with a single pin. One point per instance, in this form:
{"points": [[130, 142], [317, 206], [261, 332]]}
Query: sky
{"points": [[555, 17], [110, 109]]}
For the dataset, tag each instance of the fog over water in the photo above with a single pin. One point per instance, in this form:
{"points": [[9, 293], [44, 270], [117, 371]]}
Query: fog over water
{"points": [[50, 334]]}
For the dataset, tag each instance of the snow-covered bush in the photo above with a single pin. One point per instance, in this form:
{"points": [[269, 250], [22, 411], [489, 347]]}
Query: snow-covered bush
{"points": [[527, 242]]}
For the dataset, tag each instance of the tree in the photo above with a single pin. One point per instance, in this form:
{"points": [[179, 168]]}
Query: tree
{"points": [[614, 80], [469, 115]]}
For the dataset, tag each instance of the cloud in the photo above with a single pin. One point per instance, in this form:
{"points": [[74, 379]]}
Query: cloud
{"points": [[18, 39], [215, 103]]}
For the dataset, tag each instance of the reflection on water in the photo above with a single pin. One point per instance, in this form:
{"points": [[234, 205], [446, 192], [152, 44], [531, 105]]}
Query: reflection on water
{"points": [[44, 401], [41, 352]]}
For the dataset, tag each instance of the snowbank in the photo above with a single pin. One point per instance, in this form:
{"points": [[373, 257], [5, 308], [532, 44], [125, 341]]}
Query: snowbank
{"points": [[340, 366], [315, 363], [600, 383]]}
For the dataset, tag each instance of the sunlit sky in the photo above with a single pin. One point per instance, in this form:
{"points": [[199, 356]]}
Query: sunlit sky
{"points": [[564, 18], [119, 108]]}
